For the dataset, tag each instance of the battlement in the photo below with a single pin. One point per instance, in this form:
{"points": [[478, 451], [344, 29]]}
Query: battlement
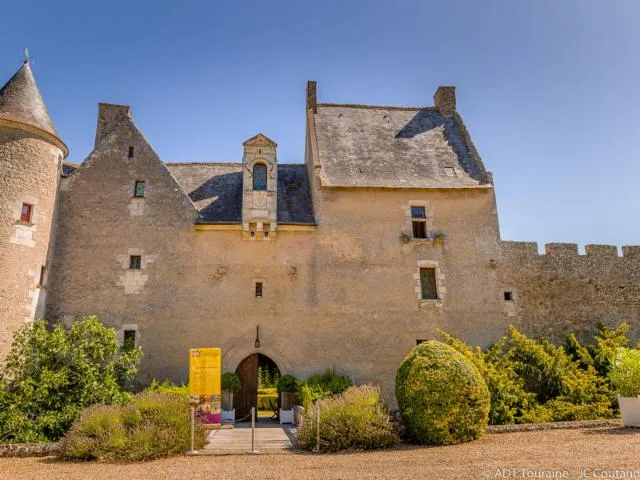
{"points": [[569, 250]]}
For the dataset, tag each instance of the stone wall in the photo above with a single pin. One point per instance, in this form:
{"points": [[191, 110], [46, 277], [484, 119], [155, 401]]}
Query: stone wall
{"points": [[29, 173], [342, 296], [562, 291]]}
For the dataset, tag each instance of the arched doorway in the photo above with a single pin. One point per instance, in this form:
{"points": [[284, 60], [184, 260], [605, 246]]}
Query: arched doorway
{"points": [[255, 371]]}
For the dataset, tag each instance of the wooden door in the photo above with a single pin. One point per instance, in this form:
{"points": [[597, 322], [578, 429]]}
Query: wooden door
{"points": [[247, 397]]}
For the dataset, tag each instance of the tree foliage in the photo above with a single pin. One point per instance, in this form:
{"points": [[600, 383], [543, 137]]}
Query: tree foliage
{"points": [[52, 373], [536, 381]]}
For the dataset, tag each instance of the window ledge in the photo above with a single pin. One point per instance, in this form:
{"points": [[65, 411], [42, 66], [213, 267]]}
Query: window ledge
{"points": [[436, 302], [24, 224]]}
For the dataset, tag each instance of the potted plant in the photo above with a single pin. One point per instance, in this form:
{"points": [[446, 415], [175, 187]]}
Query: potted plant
{"points": [[625, 378], [287, 387], [230, 383]]}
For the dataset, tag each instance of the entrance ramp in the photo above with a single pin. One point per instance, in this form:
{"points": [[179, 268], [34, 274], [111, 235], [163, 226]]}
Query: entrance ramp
{"points": [[269, 438]]}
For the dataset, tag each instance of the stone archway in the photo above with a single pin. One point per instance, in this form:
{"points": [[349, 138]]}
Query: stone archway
{"points": [[247, 397]]}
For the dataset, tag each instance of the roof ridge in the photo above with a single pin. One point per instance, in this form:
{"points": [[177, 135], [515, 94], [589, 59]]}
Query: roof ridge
{"points": [[214, 164], [378, 107]]}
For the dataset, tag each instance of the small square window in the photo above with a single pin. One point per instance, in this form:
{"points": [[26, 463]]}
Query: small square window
{"points": [[135, 262], [139, 189], [428, 284], [43, 277], [129, 342], [258, 289], [130, 155], [508, 296], [25, 213]]}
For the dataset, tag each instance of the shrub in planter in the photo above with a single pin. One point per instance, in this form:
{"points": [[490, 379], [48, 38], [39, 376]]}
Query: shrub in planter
{"points": [[230, 382], [442, 397], [287, 383], [152, 425], [625, 378], [353, 420]]}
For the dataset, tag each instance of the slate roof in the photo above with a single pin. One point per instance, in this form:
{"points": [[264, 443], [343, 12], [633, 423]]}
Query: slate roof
{"points": [[68, 169], [216, 190], [394, 147], [21, 101]]}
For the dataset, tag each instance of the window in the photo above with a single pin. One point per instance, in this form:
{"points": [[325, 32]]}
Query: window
{"points": [[43, 277], [135, 262], [129, 340], [139, 189], [450, 171], [419, 341], [428, 284], [130, 152], [419, 222], [258, 289], [508, 296], [260, 176], [25, 214]]}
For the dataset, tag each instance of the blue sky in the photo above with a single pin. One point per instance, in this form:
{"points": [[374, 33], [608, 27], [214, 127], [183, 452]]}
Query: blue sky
{"points": [[549, 89]]}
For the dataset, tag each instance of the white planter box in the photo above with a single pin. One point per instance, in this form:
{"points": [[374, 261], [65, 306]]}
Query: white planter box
{"points": [[630, 409], [286, 416], [228, 416]]}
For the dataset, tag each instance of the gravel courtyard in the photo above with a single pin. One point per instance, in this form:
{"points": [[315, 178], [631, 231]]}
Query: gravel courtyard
{"points": [[602, 451]]}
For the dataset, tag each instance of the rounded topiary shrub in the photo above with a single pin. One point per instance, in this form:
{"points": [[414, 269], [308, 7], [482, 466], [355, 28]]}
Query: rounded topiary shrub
{"points": [[442, 397]]}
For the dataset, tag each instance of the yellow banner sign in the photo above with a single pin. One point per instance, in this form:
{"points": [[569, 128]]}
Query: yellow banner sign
{"points": [[205, 370]]}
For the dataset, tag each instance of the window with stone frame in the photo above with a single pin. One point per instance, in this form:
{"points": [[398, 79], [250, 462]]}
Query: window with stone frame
{"points": [[129, 340], [419, 221], [138, 190], [258, 289], [260, 176], [135, 262], [26, 212], [428, 284]]}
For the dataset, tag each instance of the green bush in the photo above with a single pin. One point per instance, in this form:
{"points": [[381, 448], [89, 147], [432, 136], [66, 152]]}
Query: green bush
{"points": [[353, 420], [329, 382], [321, 386], [287, 383], [52, 374], [625, 372], [152, 425], [535, 381], [167, 386], [509, 400], [442, 397], [230, 382]]}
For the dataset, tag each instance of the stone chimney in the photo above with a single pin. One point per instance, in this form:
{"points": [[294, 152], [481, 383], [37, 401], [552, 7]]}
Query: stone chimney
{"points": [[109, 116], [445, 100], [312, 98]]}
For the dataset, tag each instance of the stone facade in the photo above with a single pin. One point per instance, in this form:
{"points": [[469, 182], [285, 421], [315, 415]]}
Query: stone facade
{"points": [[340, 281]]}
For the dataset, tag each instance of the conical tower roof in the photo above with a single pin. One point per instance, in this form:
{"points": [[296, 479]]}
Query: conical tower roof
{"points": [[21, 101]]}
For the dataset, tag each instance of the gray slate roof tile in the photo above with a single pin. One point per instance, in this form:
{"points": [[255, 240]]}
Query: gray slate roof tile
{"points": [[216, 190], [392, 147]]}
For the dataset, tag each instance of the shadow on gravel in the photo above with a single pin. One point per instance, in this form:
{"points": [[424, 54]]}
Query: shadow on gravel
{"points": [[612, 431]]}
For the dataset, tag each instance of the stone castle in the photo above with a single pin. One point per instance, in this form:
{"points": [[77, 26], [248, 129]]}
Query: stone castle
{"points": [[386, 232]]}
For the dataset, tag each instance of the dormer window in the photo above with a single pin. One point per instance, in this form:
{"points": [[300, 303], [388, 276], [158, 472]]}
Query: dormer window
{"points": [[260, 176]]}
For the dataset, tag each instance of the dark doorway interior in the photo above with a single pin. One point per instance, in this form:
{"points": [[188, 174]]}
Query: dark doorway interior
{"points": [[258, 376]]}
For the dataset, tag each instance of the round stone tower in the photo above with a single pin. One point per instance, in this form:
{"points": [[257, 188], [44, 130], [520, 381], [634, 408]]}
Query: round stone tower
{"points": [[31, 155]]}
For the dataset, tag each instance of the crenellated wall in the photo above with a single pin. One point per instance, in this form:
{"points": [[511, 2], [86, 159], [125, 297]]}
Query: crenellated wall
{"points": [[561, 291]]}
